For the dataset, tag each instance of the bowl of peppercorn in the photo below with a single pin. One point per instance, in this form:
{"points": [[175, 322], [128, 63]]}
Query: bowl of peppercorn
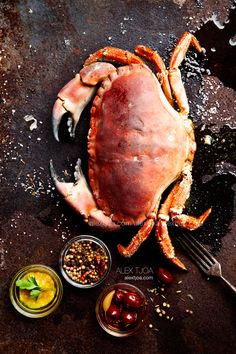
{"points": [[121, 309], [85, 261]]}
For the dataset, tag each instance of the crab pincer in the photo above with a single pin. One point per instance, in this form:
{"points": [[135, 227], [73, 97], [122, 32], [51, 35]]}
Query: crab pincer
{"points": [[72, 99], [77, 93]]}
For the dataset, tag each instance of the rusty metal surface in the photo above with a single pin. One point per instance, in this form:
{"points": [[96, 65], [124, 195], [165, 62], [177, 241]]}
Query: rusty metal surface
{"points": [[43, 44]]}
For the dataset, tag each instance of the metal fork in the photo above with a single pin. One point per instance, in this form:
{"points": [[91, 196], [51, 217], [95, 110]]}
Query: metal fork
{"points": [[205, 261]]}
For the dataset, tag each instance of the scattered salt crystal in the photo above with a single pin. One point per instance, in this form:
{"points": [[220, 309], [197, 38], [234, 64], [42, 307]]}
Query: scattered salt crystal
{"points": [[217, 22], [232, 41], [213, 110], [127, 18], [29, 118], [207, 139], [67, 42]]}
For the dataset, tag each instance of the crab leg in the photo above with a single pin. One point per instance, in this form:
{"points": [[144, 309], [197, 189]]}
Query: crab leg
{"points": [[166, 245], [177, 57], [159, 64], [96, 72], [140, 237], [80, 198], [174, 205], [162, 234], [114, 54], [190, 222], [75, 95]]}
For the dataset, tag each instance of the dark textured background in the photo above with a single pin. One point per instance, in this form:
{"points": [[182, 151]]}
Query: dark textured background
{"points": [[43, 44]]}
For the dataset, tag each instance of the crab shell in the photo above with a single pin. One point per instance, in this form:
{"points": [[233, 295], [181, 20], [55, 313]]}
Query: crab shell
{"points": [[137, 144]]}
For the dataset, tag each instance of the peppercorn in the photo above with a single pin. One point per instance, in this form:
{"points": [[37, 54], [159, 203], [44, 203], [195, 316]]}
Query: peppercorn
{"points": [[85, 262]]}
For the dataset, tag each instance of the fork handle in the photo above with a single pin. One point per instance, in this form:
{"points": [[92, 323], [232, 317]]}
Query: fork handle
{"points": [[229, 284]]}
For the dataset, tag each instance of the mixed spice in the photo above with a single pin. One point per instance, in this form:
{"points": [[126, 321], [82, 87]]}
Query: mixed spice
{"points": [[85, 262]]}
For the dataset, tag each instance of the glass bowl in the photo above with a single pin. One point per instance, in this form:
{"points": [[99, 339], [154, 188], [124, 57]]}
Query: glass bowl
{"points": [[41, 311], [115, 330], [97, 264]]}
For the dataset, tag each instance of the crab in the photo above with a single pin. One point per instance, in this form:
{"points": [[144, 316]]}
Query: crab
{"points": [[138, 144]]}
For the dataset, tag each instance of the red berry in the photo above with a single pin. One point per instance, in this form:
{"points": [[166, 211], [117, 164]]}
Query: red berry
{"points": [[165, 276], [133, 300], [118, 297], [128, 317], [113, 314]]}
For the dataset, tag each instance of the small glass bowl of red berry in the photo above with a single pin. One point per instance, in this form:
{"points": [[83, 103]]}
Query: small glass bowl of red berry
{"points": [[121, 309]]}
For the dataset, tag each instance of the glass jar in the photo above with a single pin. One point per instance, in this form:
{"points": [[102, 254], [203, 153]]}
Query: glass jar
{"points": [[41, 311], [93, 241], [141, 312]]}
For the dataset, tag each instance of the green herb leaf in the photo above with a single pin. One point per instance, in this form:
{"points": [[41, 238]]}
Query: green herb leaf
{"points": [[35, 293], [34, 281], [28, 284]]}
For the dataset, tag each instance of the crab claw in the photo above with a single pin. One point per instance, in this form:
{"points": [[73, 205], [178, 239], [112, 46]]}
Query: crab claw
{"points": [[63, 188], [72, 99], [80, 198], [57, 114]]}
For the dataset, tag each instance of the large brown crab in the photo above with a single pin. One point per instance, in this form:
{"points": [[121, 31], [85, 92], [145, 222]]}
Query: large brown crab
{"points": [[138, 144]]}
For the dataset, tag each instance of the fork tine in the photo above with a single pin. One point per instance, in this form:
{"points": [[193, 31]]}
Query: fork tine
{"points": [[204, 260], [196, 251], [199, 248], [200, 262]]}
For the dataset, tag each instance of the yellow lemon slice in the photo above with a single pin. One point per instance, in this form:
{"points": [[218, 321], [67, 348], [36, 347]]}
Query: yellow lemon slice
{"points": [[107, 300], [47, 294]]}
